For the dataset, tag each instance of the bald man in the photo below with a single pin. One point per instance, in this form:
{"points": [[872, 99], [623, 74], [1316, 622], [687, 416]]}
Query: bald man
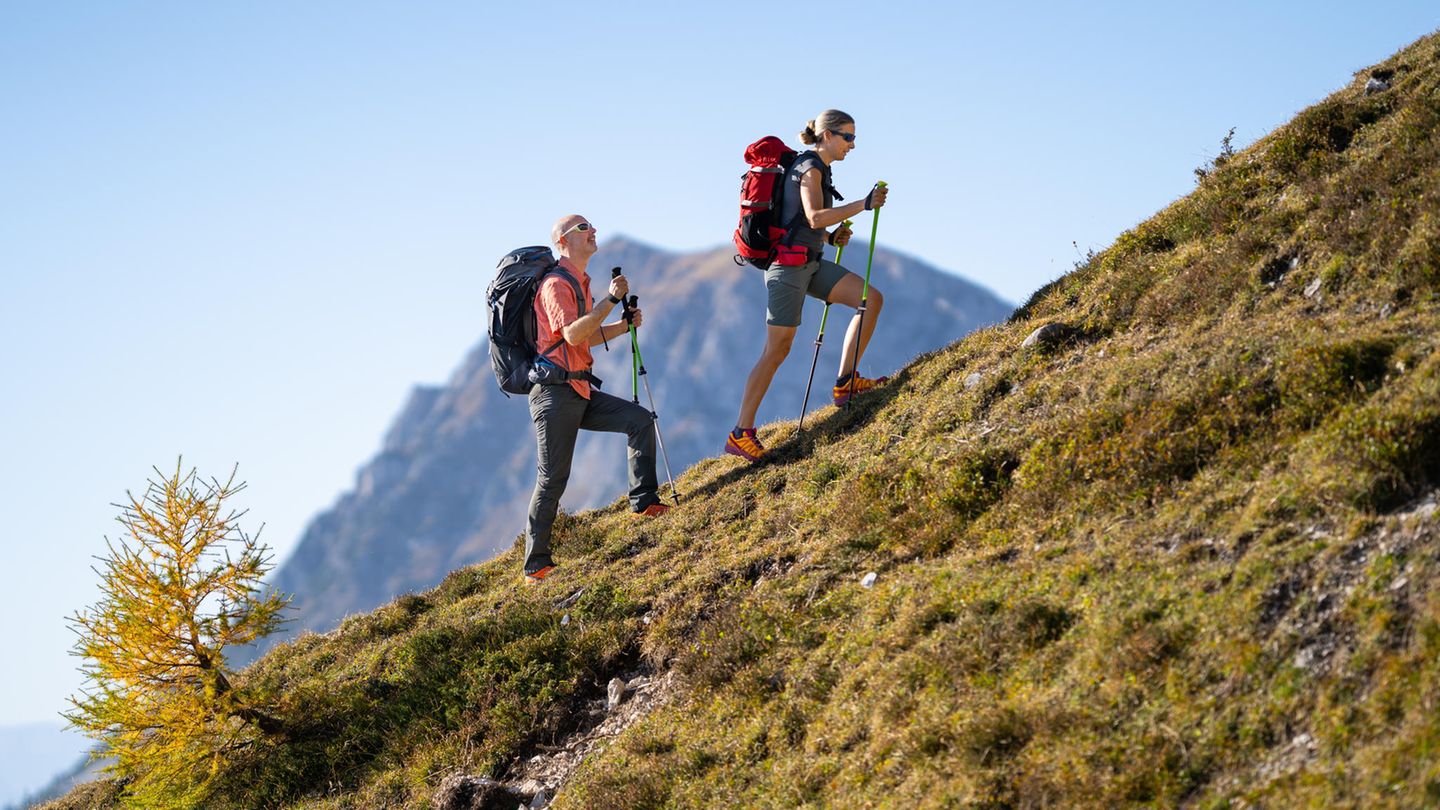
{"points": [[561, 409]]}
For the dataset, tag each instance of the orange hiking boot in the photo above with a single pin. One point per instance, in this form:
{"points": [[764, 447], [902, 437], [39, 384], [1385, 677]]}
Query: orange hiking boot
{"points": [[744, 443], [842, 393], [536, 577], [653, 510]]}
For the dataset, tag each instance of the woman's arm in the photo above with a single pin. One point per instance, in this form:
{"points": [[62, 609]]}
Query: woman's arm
{"points": [[811, 200]]}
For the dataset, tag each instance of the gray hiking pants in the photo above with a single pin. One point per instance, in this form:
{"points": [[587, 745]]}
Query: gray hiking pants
{"points": [[559, 413]]}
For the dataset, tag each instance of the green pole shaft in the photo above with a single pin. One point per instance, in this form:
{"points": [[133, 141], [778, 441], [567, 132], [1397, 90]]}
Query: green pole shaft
{"points": [[864, 301], [825, 313], [874, 226], [634, 366]]}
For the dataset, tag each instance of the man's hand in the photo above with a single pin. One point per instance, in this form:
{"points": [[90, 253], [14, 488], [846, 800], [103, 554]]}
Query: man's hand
{"points": [[841, 236], [619, 287], [638, 316]]}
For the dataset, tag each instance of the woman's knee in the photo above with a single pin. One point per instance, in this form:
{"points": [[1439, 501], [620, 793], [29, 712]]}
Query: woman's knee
{"points": [[777, 346], [876, 302]]}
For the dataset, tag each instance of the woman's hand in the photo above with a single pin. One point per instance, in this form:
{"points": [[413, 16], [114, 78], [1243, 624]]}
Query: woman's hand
{"points": [[841, 236], [876, 197]]}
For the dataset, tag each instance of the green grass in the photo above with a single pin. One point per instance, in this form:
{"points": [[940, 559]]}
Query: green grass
{"points": [[1130, 570]]}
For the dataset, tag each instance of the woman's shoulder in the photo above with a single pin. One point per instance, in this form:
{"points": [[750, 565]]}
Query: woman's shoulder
{"points": [[807, 162]]}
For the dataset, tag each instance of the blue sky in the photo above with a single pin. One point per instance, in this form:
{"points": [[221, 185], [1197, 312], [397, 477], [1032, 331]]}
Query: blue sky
{"points": [[241, 232]]}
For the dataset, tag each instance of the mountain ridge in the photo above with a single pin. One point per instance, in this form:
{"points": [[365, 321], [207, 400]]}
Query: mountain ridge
{"points": [[409, 525]]}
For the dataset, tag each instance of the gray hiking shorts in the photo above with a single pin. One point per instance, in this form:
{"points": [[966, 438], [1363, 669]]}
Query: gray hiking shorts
{"points": [[787, 287]]}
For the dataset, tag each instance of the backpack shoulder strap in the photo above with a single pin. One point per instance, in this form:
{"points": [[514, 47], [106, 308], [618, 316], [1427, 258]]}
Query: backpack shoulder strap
{"points": [[582, 306], [804, 162]]}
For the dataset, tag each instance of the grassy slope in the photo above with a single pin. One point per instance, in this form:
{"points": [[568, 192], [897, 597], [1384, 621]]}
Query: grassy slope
{"points": [[1158, 563]]}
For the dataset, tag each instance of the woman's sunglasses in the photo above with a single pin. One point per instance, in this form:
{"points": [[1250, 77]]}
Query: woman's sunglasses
{"points": [[848, 136]]}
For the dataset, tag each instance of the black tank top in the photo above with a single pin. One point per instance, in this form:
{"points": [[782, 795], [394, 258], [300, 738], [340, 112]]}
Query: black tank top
{"points": [[792, 213]]}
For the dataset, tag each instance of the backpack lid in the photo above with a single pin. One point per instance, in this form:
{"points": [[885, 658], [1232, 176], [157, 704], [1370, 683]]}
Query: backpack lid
{"points": [[766, 152]]}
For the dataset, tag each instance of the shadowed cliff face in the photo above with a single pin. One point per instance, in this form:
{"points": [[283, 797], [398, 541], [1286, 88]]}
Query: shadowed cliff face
{"points": [[452, 480]]}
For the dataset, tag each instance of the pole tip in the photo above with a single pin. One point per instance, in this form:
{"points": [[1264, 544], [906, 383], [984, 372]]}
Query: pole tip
{"points": [[880, 183], [614, 271]]}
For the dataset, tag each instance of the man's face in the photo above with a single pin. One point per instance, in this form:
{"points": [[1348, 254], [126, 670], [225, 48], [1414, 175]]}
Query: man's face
{"points": [[577, 237]]}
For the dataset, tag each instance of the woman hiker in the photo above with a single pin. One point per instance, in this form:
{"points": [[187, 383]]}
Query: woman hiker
{"points": [[807, 207]]}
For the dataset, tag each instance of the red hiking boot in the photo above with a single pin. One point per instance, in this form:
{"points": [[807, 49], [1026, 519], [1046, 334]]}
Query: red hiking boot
{"points": [[653, 510]]}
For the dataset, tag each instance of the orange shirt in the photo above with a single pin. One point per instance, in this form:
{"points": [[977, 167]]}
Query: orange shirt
{"points": [[556, 308]]}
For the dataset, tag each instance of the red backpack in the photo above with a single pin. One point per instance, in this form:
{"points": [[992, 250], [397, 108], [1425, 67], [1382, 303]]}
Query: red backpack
{"points": [[760, 237]]}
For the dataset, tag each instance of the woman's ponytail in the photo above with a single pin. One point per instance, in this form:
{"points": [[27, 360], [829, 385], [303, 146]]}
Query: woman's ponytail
{"points": [[828, 120]]}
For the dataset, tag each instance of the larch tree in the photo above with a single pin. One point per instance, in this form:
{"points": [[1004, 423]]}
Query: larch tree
{"points": [[183, 584]]}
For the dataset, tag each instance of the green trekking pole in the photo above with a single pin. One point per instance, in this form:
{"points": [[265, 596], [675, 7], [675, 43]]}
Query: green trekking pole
{"points": [[625, 312], [820, 338], [637, 365], [864, 298]]}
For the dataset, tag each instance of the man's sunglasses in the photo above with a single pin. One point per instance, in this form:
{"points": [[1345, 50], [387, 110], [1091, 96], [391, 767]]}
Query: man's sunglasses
{"points": [[579, 226], [848, 136]]}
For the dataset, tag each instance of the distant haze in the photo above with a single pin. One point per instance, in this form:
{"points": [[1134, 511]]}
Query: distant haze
{"points": [[31, 755]]}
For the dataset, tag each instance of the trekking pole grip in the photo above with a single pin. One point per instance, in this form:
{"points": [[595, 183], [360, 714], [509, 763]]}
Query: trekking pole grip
{"points": [[840, 249], [874, 226], [624, 309]]}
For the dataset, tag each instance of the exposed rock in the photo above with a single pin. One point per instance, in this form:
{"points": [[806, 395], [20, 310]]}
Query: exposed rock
{"points": [[461, 792], [547, 771], [868, 581], [1375, 85], [1047, 335], [570, 600], [973, 380], [1312, 288], [614, 693]]}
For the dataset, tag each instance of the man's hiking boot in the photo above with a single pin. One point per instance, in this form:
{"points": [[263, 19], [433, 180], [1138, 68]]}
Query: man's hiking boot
{"points": [[653, 510], [536, 577], [842, 393], [744, 443]]}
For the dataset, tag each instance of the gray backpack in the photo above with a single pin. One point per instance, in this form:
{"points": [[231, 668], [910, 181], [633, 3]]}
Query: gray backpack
{"points": [[511, 299]]}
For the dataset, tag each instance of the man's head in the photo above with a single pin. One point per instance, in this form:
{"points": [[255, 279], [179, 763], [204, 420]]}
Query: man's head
{"points": [[574, 237]]}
